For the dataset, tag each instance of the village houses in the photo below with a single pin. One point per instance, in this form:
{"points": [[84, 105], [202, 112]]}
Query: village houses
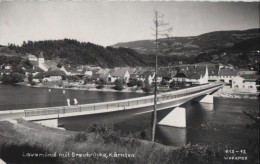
{"points": [[143, 74], [246, 83], [200, 73], [226, 75], [5, 69], [192, 74], [41, 63], [53, 75], [119, 73]]}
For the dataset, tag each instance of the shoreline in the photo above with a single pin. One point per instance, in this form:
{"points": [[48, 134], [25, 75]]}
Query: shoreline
{"points": [[89, 89], [82, 88], [236, 96], [227, 92], [224, 92]]}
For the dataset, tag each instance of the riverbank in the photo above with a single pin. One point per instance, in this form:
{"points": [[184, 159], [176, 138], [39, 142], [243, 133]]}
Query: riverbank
{"points": [[227, 92], [128, 90], [86, 87], [27, 142]]}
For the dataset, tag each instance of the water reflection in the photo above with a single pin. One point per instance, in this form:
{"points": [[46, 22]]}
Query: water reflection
{"points": [[171, 135], [207, 107], [197, 114]]}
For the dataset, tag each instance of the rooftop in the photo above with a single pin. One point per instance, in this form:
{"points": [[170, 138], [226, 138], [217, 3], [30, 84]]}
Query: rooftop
{"points": [[119, 72], [228, 72], [51, 64], [41, 55], [192, 72], [250, 76], [55, 73], [213, 71]]}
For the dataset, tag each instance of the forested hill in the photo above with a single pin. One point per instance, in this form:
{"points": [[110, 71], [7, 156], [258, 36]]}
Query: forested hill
{"points": [[211, 42], [74, 52]]}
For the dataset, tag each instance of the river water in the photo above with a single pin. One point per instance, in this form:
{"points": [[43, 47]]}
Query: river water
{"points": [[222, 122], [22, 97]]}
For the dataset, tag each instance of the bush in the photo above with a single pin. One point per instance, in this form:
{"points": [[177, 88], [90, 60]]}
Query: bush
{"points": [[33, 83], [6, 78], [30, 78], [132, 82], [73, 78], [13, 78], [100, 86], [147, 89], [80, 137], [101, 83], [164, 82], [68, 86]]}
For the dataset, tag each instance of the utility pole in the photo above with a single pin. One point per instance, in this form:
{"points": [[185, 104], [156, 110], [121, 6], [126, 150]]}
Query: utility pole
{"points": [[158, 23]]}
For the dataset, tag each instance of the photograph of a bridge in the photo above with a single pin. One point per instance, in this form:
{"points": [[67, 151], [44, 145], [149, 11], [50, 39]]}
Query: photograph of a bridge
{"points": [[158, 82]]}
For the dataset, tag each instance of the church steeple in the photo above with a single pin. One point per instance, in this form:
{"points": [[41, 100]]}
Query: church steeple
{"points": [[41, 55], [41, 58]]}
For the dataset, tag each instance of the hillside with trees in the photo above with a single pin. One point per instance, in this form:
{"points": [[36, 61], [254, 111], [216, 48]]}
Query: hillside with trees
{"points": [[74, 52]]}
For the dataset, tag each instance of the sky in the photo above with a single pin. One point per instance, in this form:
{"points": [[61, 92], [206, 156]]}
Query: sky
{"points": [[109, 22]]}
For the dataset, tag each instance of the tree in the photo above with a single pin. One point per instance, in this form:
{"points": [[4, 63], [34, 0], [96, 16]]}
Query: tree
{"points": [[164, 82], [59, 65], [119, 85], [18, 69], [12, 78], [27, 64], [30, 78], [101, 82], [17, 77], [140, 83], [132, 82], [159, 30], [147, 87], [6, 78], [172, 84]]}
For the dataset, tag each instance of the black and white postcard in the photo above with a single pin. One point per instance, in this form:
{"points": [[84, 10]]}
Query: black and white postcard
{"points": [[136, 82]]}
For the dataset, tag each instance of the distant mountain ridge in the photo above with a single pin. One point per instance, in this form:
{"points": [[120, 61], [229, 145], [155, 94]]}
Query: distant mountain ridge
{"points": [[194, 45]]}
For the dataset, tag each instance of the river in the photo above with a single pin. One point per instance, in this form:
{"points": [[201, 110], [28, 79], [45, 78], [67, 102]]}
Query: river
{"points": [[22, 97], [222, 122]]}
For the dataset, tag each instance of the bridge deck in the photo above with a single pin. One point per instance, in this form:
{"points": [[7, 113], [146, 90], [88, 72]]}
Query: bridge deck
{"points": [[66, 111]]}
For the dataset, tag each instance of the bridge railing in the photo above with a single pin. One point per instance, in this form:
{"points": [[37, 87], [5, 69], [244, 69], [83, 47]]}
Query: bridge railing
{"points": [[120, 104]]}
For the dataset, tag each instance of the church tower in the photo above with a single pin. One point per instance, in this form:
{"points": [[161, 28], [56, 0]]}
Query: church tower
{"points": [[41, 59], [41, 62]]}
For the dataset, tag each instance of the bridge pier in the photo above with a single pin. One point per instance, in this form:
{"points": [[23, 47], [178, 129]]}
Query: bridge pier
{"points": [[1, 161], [207, 99], [176, 118]]}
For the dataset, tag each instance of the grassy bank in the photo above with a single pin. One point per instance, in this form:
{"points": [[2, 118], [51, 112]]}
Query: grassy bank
{"points": [[18, 140]]}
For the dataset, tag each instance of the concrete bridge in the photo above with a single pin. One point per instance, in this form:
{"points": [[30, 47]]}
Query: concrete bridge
{"points": [[49, 116]]}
